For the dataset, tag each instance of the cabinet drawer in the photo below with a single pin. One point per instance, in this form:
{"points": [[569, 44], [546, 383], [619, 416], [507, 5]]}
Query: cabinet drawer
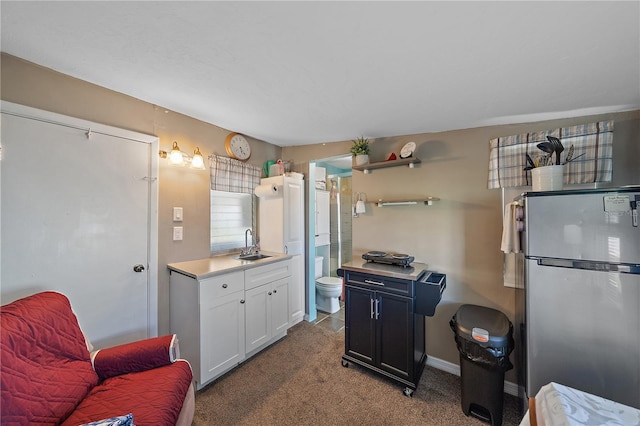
{"points": [[379, 283], [265, 274], [221, 285]]}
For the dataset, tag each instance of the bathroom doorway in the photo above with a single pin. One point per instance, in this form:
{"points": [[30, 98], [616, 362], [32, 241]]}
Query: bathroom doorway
{"points": [[329, 200]]}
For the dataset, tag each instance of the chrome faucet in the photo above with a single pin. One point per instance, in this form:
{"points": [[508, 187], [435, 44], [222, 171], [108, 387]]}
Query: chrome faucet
{"points": [[247, 250]]}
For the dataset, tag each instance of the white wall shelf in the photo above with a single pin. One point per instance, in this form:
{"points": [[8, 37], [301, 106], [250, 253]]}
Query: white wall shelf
{"points": [[367, 168]]}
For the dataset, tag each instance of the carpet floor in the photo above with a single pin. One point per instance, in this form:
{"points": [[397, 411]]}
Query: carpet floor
{"points": [[300, 381]]}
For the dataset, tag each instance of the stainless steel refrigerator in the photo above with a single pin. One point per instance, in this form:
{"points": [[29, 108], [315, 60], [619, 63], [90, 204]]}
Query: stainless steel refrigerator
{"points": [[579, 310]]}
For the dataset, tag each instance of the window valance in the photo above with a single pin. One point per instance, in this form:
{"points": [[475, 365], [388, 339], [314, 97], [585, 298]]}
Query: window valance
{"points": [[232, 175], [593, 144]]}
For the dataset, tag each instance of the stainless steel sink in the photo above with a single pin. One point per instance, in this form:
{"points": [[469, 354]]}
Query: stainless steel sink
{"points": [[256, 256]]}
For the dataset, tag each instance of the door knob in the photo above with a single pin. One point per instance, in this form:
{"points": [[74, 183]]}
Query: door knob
{"points": [[138, 268]]}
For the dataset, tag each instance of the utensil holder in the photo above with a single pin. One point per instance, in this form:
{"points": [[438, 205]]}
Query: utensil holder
{"points": [[547, 178]]}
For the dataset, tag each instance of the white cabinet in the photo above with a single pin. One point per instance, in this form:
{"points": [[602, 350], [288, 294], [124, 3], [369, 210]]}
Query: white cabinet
{"points": [[222, 320], [281, 230], [294, 237], [281, 218], [266, 315], [322, 218], [267, 304], [209, 318]]}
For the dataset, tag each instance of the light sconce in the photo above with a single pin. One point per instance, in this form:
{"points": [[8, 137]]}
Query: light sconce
{"points": [[178, 158], [197, 161], [359, 206], [175, 156]]}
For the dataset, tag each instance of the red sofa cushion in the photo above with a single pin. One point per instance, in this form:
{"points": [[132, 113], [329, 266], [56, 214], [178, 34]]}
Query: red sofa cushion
{"points": [[154, 396], [45, 366]]}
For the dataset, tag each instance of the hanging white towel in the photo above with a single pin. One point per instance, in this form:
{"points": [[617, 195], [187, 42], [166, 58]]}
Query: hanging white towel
{"points": [[510, 234]]}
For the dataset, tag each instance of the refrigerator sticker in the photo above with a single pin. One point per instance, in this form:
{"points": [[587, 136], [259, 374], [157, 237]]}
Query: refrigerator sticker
{"points": [[616, 203]]}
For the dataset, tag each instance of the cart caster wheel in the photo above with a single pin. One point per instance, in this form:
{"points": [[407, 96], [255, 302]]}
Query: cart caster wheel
{"points": [[408, 392], [345, 364]]}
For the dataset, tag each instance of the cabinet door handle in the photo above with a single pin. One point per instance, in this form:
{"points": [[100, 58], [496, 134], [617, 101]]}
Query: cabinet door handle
{"points": [[377, 308], [224, 286], [242, 301], [371, 300], [275, 291], [374, 282], [269, 293]]}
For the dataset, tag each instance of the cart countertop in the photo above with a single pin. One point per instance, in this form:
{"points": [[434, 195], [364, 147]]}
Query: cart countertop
{"points": [[411, 272]]}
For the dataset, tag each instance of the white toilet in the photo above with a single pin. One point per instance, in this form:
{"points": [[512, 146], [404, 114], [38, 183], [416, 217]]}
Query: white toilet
{"points": [[328, 290]]}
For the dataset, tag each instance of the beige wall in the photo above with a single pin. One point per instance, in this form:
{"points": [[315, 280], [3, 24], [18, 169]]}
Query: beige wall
{"points": [[31, 85], [460, 234]]}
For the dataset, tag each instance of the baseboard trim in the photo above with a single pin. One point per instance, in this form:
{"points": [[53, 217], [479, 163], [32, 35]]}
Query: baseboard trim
{"points": [[449, 367]]}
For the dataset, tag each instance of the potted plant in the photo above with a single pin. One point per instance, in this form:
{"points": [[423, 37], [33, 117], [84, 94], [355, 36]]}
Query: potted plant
{"points": [[360, 150]]}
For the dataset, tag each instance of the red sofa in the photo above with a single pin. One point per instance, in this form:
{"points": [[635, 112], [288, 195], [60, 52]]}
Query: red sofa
{"points": [[48, 375]]}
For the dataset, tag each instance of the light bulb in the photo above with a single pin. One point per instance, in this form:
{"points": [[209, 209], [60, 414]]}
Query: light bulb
{"points": [[197, 162], [175, 157]]}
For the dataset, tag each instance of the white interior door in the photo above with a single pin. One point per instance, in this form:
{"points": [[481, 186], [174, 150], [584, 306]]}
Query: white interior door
{"points": [[79, 211]]}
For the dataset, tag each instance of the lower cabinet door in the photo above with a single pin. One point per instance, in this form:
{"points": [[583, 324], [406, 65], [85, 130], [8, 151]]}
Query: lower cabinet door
{"points": [[258, 317], [222, 335], [394, 335], [267, 312], [280, 306], [296, 290], [359, 324]]}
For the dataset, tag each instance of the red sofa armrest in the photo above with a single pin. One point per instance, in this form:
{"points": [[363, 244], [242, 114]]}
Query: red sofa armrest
{"points": [[136, 356]]}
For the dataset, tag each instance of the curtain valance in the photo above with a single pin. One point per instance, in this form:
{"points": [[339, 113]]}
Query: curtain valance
{"points": [[232, 175], [593, 144]]}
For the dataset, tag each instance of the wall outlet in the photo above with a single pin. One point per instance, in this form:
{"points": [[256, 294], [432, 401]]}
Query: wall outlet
{"points": [[177, 233]]}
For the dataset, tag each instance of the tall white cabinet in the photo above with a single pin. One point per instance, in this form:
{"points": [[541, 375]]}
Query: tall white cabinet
{"points": [[322, 218], [281, 230]]}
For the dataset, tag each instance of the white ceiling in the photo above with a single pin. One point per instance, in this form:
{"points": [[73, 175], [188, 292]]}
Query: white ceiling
{"points": [[294, 73]]}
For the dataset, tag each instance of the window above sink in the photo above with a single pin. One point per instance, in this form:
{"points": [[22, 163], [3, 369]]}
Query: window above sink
{"points": [[231, 215]]}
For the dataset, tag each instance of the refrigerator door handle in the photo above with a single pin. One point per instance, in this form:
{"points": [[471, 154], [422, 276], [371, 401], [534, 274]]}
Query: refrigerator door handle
{"points": [[590, 265]]}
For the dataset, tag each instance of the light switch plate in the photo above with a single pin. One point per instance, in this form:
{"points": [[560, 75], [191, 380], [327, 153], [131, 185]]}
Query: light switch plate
{"points": [[177, 214], [177, 233]]}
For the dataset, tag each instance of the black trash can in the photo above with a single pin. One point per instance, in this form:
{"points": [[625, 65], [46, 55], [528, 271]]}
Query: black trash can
{"points": [[484, 338]]}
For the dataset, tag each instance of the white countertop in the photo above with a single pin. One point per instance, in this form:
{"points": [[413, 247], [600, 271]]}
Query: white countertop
{"points": [[218, 265]]}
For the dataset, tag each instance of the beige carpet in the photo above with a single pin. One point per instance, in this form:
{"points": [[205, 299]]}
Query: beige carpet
{"points": [[300, 381]]}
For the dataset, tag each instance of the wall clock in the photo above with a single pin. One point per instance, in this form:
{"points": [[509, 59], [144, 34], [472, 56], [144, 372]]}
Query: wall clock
{"points": [[407, 150], [237, 147]]}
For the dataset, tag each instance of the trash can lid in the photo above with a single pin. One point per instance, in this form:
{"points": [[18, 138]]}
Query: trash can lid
{"points": [[485, 326]]}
